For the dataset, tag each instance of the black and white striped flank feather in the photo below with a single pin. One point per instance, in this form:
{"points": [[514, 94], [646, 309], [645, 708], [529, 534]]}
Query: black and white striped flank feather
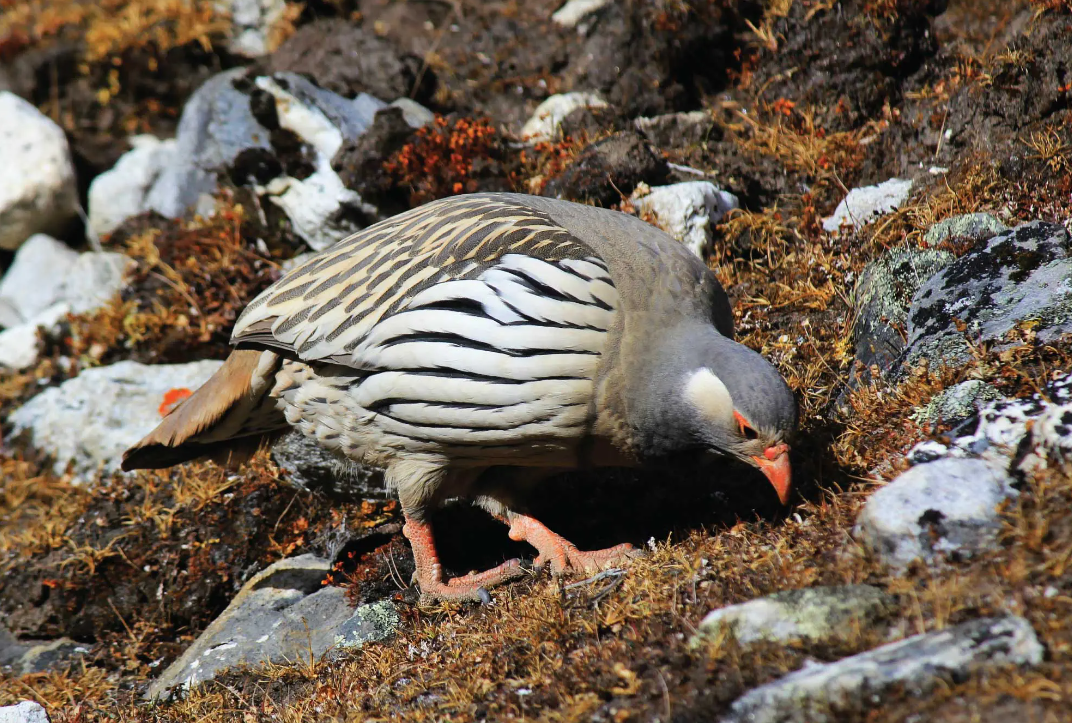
{"points": [[475, 321]]}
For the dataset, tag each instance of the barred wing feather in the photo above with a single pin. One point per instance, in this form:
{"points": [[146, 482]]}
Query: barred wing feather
{"points": [[479, 323]]}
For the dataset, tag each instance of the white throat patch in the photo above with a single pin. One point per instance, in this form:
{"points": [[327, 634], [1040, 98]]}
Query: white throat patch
{"points": [[709, 396]]}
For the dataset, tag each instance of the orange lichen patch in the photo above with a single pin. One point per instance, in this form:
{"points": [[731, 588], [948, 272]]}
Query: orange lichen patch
{"points": [[172, 398], [444, 159]]}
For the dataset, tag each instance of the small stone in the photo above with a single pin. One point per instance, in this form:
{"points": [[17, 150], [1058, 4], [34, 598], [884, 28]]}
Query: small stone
{"points": [[122, 192], [548, 116], [957, 403], [813, 615], [282, 615], [687, 211], [25, 712], [122, 399], [863, 205], [822, 692], [415, 114], [971, 226], [942, 511], [678, 130], [38, 192], [252, 22], [37, 275], [570, 14]]}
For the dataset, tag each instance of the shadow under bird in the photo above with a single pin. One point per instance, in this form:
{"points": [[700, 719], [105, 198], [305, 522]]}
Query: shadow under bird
{"points": [[475, 345]]}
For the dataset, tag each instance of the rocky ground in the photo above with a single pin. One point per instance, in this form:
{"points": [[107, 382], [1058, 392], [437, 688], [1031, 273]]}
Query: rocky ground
{"points": [[883, 186]]}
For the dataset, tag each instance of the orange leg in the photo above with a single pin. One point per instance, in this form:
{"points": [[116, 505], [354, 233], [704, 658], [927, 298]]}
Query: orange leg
{"points": [[430, 572], [560, 552]]}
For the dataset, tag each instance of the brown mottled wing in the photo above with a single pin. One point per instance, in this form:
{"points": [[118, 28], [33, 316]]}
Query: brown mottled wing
{"points": [[234, 404]]}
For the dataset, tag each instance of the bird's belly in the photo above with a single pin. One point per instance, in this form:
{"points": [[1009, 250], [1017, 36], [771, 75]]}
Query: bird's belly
{"points": [[378, 418]]}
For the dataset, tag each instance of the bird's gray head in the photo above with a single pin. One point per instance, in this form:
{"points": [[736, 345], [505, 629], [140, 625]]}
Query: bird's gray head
{"points": [[706, 392]]}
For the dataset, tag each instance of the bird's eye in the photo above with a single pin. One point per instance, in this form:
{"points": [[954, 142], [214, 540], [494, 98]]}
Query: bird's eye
{"points": [[746, 429]]}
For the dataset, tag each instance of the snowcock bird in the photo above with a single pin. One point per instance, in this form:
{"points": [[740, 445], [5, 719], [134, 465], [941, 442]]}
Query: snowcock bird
{"points": [[472, 345]]}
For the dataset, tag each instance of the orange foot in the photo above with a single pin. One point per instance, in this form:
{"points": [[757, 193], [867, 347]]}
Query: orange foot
{"points": [[430, 572], [563, 554]]}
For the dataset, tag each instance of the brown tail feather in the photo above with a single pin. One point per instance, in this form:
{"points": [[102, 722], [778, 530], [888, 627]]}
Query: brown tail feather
{"points": [[229, 412]]}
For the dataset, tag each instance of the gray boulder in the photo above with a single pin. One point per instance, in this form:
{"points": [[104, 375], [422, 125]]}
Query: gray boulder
{"points": [[284, 614], [1022, 275], [813, 615], [825, 692], [883, 295], [942, 511], [87, 422], [215, 126], [314, 468]]}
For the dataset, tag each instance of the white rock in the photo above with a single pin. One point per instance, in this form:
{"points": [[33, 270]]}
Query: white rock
{"points": [[37, 187], [549, 115], [687, 211], [316, 204], [252, 22], [18, 345], [47, 281], [820, 691], [121, 192], [862, 205], [935, 512], [38, 274], [90, 420], [415, 114], [574, 11], [25, 712]]}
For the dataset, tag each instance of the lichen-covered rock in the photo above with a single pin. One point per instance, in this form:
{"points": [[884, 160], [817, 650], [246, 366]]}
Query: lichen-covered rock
{"points": [[687, 211], [943, 511], [968, 227], [814, 615], [607, 169], [1022, 276], [38, 192], [122, 192], [822, 692], [958, 403], [863, 205], [282, 615], [123, 401], [883, 295], [997, 433], [548, 116]]}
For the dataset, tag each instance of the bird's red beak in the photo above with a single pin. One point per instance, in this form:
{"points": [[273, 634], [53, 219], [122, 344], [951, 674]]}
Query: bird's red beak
{"points": [[775, 465]]}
